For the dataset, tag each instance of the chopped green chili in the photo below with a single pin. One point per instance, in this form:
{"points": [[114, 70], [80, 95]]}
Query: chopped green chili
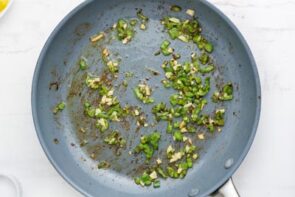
{"points": [[204, 58], [219, 117], [226, 93], [141, 16], [172, 173], [133, 22], [93, 82], [156, 183], [129, 74], [169, 127], [83, 64], [125, 32], [146, 179], [113, 66], [207, 69], [165, 49], [148, 144], [173, 33], [115, 139], [162, 173], [103, 165], [161, 112], [102, 124], [143, 93], [187, 30], [177, 136], [208, 47], [59, 107], [175, 8]]}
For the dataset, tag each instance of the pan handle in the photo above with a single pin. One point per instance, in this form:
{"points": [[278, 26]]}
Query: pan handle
{"points": [[228, 189]]}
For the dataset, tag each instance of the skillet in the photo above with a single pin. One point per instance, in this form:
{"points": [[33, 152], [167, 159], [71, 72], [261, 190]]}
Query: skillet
{"points": [[57, 78]]}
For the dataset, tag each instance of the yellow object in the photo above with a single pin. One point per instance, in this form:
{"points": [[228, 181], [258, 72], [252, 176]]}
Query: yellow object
{"points": [[3, 4]]}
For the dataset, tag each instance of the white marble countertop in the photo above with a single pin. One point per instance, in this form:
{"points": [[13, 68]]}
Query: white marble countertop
{"points": [[269, 28]]}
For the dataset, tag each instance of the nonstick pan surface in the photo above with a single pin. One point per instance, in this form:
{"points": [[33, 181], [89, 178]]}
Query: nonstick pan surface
{"points": [[57, 78]]}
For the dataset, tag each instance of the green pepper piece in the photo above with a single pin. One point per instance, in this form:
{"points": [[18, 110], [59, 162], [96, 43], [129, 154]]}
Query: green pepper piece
{"points": [[59, 107], [83, 64], [178, 136], [161, 172], [189, 162], [209, 47], [175, 8], [133, 22], [141, 16], [165, 49], [169, 127], [173, 33], [156, 183], [171, 172], [154, 139], [204, 58], [102, 124], [103, 165], [174, 99], [206, 69]]}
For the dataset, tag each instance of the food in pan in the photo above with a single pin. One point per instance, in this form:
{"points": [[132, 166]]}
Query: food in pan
{"points": [[183, 112]]}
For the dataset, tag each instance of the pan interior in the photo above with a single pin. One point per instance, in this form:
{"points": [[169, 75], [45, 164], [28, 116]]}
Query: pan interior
{"points": [[58, 65]]}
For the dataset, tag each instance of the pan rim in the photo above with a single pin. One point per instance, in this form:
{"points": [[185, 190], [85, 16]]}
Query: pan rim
{"points": [[34, 95], [253, 65]]}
